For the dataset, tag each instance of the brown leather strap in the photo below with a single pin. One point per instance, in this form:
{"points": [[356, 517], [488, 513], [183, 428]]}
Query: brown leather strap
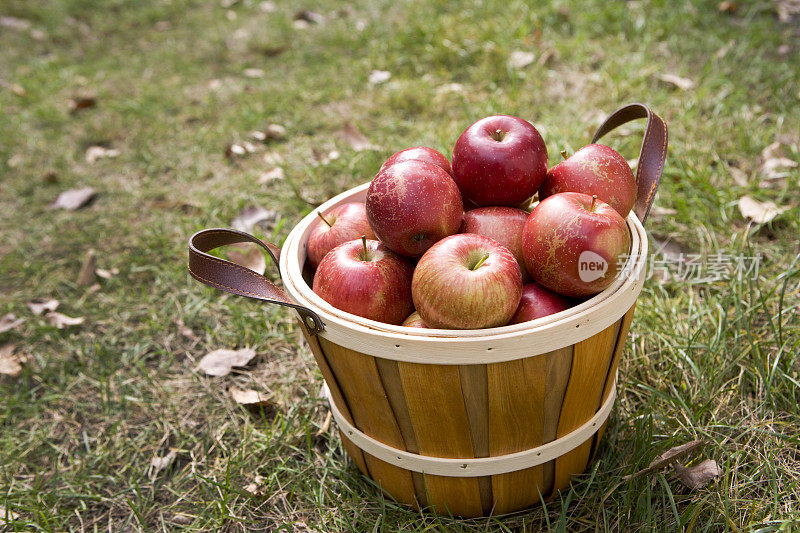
{"points": [[230, 277], [651, 156]]}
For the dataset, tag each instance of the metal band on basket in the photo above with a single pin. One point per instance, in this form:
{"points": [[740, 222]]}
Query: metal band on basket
{"points": [[484, 466]]}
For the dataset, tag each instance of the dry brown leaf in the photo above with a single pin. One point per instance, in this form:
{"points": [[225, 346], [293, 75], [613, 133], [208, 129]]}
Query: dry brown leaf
{"points": [[759, 212], [376, 77], [79, 103], [10, 361], [248, 255], [63, 321], [9, 322], [326, 425], [250, 397], [87, 276], [669, 457], [74, 199], [683, 84], [93, 153], [220, 362], [520, 59], [14, 23], [40, 305], [698, 476], [106, 274], [355, 138], [256, 487], [728, 7], [738, 176], [160, 463], [15, 88], [253, 216], [271, 175]]}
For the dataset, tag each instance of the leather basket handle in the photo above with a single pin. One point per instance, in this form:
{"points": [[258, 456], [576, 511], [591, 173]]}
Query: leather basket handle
{"points": [[651, 156], [236, 279]]}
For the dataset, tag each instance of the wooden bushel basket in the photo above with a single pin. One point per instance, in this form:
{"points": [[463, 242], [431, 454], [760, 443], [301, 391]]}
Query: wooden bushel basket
{"points": [[471, 422]]}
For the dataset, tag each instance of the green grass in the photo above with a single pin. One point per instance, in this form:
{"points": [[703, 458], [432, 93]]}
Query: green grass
{"points": [[96, 403]]}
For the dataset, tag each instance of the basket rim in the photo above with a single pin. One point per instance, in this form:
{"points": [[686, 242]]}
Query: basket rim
{"points": [[600, 310]]}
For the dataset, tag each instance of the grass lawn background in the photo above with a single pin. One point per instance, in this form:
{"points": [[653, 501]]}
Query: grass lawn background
{"points": [[97, 402]]}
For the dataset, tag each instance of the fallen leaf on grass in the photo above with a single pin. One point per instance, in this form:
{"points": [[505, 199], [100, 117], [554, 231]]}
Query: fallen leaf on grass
{"points": [[759, 212], [63, 321], [87, 276], [106, 274], [248, 255], [253, 216], [271, 175], [93, 153], [326, 425], [249, 397], [788, 9], [683, 84], [9, 322], [234, 150], [698, 476], [355, 138], [220, 362], [376, 77], [74, 199], [14, 23], [160, 463], [256, 487], [15, 88], [254, 73], [79, 103], [40, 305], [774, 164], [10, 361], [669, 457], [520, 59], [274, 132], [7, 516]]}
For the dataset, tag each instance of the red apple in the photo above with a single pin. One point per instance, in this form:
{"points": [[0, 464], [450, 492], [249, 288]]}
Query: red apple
{"points": [[423, 153], [594, 169], [412, 204], [500, 160], [537, 302], [341, 224], [574, 244], [503, 224], [466, 281], [365, 278], [414, 321]]}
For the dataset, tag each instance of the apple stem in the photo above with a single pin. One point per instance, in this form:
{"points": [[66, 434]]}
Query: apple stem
{"points": [[564, 154], [480, 262], [364, 244], [324, 219], [594, 202]]}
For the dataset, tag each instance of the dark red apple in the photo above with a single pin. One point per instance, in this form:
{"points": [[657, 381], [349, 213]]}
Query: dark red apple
{"points": [[365, 278], [499, 160], [574, 244], [341, 224], [503, 224], [538, 301], [594, 169], [466, 281], [414, 321], [423, 153], [412, 204]]}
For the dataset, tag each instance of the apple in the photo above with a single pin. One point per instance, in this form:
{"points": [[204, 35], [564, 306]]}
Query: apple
{"points": [[466, 281], [500, 160], [594, 169], [503, 224], [414, 321], [412, 204], [422, 153], [341, 224], [538, 301], [365, 278], [574, 244]]}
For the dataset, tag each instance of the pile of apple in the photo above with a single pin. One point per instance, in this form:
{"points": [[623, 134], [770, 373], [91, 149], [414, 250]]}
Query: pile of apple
{"points": [[411, 255]]}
